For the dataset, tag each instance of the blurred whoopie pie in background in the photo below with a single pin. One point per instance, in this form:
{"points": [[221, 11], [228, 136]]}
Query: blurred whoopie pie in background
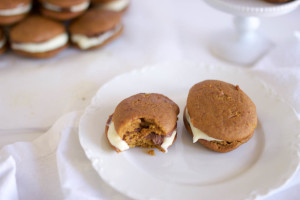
{"points": [[63, 9], [95, 28], [112, 5], [13, 11], [38, 37], [2, 41]]}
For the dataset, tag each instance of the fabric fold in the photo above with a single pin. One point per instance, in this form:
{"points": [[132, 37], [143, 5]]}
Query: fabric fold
{"points": [[8, 183]]}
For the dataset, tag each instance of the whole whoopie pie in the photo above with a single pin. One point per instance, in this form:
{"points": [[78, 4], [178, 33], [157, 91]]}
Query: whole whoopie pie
{"points": [[95, 28], [38, 37], [13, 11], [63, 9], [2, 41], [143, 120], [112, 5], [219, 115]]}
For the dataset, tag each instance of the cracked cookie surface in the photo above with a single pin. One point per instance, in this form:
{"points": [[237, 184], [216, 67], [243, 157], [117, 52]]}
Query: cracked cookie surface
{"points": [[222, 111]]}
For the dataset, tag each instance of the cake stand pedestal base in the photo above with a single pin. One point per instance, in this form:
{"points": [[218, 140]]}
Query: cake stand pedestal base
{"points": [[246, 45]]}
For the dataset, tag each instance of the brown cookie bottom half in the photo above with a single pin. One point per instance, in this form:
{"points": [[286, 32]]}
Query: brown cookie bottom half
{"points": [[218, 146], [102, 1], [117, 34], [60, 15], [148, 143], [101, 6], [9, 20], [3, 49]]}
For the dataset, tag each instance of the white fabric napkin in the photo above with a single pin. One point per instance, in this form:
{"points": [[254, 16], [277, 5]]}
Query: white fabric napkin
{"points": [[8, 185], [53, 166]]}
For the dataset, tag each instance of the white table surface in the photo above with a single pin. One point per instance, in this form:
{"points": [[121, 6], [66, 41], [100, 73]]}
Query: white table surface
{"points": [[35, 93]]}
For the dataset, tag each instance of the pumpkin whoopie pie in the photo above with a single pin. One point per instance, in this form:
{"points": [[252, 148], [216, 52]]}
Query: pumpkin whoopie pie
{"points": [[143, 120], [219, 115], [112, 5], [2, 42], [63, 9], [38, 37], [13, 11], [95, 28]]}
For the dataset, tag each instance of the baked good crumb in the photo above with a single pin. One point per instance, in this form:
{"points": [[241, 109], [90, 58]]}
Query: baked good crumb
{"points": [[151, 152]]}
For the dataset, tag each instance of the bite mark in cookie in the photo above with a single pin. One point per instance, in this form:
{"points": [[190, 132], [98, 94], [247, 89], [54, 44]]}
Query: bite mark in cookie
{"points": [[144, 120]]}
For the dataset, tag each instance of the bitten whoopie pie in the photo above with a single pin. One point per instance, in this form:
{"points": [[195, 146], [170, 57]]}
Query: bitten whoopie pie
{"points": [[95, 28], [219, 115], [63, 9], [12, 11], [112, 5], [2, 42], [143, 120], [38, 37]]}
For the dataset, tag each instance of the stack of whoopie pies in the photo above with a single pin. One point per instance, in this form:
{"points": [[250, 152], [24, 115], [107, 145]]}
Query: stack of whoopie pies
{"points": [[43, 28]]}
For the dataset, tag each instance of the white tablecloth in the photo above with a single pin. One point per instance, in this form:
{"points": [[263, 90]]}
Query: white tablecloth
{"points": [[41, 163]]}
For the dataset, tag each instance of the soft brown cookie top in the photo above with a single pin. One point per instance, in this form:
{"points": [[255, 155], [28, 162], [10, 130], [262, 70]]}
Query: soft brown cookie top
{"points": [[64, 3], [10, 4], [221, 110], [159, 108], [94, 22], [36, 29]]}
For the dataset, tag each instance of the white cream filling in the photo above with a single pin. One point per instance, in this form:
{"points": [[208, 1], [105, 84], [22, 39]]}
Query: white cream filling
{"points": [[2, 42], [85, 42], [76, 8], [15, 11], [168, 141], [117, 5], [120, 144], [49, 45], [115, 139], [197, 133]]}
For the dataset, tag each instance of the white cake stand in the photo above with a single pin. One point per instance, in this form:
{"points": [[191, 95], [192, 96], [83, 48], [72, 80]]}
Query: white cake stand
{"points": [[246, 45]]}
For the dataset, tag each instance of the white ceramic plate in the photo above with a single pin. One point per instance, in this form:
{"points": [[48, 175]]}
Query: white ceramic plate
{"points": [[189, 171]]}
